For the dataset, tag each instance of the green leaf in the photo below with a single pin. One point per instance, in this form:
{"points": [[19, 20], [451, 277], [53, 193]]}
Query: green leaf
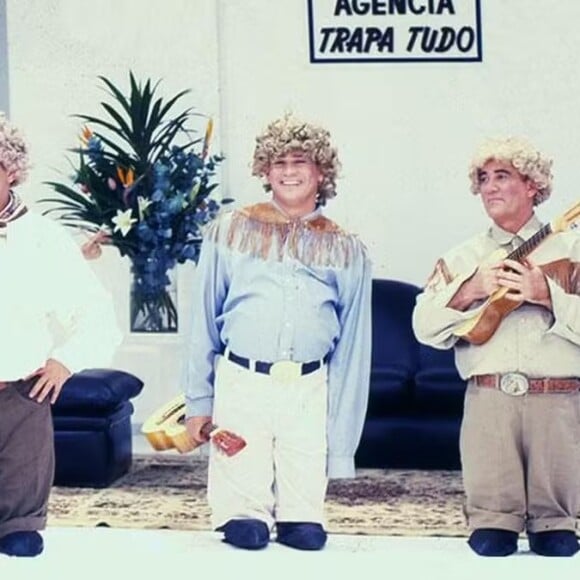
{"points": [[136, 130], [116, 93], [123, 129]]}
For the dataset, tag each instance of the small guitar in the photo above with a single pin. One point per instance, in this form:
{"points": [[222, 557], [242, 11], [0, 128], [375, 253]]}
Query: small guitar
{"points": [[480, 328], [165, 429]]}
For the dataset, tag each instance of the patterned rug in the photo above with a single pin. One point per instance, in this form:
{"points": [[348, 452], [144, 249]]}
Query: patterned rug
{"points": [[169, 492]]}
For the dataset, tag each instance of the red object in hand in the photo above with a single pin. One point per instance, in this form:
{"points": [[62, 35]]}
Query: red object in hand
{"points": [[228, 442], [224, 440]]}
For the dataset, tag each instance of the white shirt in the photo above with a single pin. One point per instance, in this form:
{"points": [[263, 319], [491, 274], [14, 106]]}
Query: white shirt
{"points": [[531, 339], [47, 286]]}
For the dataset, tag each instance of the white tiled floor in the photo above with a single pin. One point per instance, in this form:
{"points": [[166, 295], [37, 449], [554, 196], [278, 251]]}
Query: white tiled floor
{"points": [[86, 553]]}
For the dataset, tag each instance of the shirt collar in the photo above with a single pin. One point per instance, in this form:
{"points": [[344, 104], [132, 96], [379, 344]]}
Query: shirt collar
{"points": [[305, 218], [503, 237]]}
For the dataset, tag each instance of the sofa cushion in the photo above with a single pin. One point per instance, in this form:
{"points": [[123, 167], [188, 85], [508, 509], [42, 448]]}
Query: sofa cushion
{"points": [[96, 391], [438, 387], [391, 390], [394, 344], [394, 347], [92, 422]]}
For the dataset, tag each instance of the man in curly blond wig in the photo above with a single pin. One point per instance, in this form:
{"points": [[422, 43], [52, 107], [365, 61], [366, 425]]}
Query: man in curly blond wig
{"points": [[280, 346], [508, 300], [288, 134], [43, 275]]}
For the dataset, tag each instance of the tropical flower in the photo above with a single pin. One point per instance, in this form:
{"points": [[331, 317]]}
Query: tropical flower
{"points": [[139, 185], [123, 221]]}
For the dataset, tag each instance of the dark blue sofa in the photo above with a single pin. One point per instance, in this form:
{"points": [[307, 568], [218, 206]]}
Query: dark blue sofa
{"points": [[416, 395], [92, 427]]}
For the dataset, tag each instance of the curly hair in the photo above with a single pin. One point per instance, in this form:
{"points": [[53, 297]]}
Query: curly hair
{"points": [[527, 160], [290, 134], [13, 151]]}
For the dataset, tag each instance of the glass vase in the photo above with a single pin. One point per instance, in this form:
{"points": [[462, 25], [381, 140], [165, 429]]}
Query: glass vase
{"points": [[153, 310]]}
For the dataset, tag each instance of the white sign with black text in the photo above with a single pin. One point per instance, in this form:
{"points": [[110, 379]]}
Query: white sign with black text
{"points": [[395, 30]]}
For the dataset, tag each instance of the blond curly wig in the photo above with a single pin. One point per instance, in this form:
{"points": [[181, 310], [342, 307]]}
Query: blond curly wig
{"points": [[13, 151], [290, 134], [527, 160]]}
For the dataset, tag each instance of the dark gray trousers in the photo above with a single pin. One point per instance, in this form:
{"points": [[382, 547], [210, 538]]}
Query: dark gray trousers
{"points": [[26, 459]]}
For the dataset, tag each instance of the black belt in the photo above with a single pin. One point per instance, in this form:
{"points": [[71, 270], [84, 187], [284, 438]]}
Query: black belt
{"points": [[264, 367]]}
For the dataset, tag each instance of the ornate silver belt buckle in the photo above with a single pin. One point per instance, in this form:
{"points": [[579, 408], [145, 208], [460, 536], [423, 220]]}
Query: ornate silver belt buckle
{"points": [[286, 371], [514, 384]]}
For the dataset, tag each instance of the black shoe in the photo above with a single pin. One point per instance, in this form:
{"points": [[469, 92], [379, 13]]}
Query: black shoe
{"points": [[492, 542], [301, 535], [249, 534], [554, 543], [23, 544]]}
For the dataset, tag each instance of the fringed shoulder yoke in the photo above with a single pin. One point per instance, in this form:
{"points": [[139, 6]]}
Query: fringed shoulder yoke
{"points": [[264, 232]]}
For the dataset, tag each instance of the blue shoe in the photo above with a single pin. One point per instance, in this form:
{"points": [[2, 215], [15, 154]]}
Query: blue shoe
{"points": [[248, 534], [562, 543], [492, 542], [301, 535], [23, 544]]}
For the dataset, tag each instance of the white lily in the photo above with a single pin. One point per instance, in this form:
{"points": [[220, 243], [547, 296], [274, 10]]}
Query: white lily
{"points": [[143, 203], [123, 221]]}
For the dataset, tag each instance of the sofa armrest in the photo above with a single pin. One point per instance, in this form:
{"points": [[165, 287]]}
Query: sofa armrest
{"points": [[95, 391]]}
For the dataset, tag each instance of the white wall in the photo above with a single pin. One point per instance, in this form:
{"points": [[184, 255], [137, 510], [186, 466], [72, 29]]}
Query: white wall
{"points": [[4, 101], [405, 132]]}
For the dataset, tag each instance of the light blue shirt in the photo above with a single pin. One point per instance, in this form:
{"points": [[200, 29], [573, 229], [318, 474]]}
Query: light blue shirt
{"points": [[297, 298]]}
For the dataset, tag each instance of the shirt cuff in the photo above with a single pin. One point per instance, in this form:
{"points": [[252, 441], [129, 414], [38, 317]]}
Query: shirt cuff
{"points": [[560, 305], [71, 362], [198, 407], [340, 467]]}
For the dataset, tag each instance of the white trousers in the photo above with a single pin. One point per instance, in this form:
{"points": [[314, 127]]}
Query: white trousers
{"points": [[281, 474]]}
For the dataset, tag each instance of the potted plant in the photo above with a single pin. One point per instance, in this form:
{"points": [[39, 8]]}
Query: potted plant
{"points": [[142, 184]]}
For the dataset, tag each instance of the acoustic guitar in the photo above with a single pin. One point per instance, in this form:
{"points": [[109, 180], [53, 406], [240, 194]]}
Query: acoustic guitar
{"points": [[480, 328], [165, 429]]}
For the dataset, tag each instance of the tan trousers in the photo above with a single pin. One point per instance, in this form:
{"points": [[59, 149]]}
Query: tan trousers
{"points": [[281, 473], [521, 460], [26, 459]]}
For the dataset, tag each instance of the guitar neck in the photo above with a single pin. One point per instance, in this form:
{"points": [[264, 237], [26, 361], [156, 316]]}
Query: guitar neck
{"points": [[530, 245]]}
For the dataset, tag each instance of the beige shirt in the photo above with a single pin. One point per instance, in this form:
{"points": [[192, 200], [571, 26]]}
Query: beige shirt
{"points": [[46, 285], [531, 339]]}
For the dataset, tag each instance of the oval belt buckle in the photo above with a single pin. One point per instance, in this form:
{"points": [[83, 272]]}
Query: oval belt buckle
{"points": [[286, 371], [514, 384]]}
